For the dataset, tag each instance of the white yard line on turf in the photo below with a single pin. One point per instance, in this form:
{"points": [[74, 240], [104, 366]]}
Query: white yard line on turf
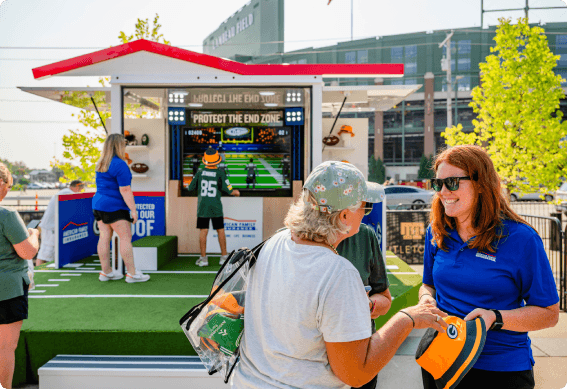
{"points": [[78, 272], [72, 296], [69, 274], [392, 267], [58, 279], [45, 285], [87, 268], [73, 265], [36, 291]]}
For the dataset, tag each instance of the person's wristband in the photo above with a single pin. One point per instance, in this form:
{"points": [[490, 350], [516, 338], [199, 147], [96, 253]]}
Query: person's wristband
{"points": [[425, 294], [408, 315]]}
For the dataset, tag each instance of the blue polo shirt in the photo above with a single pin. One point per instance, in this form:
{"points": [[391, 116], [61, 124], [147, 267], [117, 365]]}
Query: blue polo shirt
{"points": [[108, 197], [517, 274]]}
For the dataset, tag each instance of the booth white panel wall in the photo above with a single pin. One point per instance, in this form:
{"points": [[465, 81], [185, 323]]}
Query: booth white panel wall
{"points": [[154, 155], [357, 154]]}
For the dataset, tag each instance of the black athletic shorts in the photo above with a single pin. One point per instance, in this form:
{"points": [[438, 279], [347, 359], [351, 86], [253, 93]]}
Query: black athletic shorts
{"points": [[203, 223], [477, 378], [112, 217], [16, 309]]}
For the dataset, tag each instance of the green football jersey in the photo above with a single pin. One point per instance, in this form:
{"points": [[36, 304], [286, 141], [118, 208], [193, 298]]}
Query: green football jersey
{"points": [[209, 183]]}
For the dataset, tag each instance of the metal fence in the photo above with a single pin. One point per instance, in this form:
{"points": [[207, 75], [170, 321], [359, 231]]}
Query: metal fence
{"points": [[553, 237]]}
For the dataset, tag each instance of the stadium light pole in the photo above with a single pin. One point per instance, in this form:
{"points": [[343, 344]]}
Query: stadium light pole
{"points": [[351, 20], [446, 65]]}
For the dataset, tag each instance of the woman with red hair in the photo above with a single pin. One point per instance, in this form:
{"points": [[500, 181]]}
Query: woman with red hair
{"points": [[483, 260]]}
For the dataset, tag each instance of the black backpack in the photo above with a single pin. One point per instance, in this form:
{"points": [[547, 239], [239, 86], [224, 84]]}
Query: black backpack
{"points": [[215, 326]]}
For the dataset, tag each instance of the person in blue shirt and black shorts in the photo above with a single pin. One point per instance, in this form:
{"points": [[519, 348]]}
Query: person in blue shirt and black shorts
{"points": [[114, 209], [482, 259]]}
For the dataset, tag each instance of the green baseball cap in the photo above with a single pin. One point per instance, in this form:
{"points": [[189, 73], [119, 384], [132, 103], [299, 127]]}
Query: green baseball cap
{"points": [[339, 185]]}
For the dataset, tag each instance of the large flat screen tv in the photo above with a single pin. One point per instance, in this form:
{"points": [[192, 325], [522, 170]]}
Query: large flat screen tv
{"points": [[255, 146]]}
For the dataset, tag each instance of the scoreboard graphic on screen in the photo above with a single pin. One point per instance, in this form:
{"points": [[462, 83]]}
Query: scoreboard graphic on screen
{"points": [[257, 156]]}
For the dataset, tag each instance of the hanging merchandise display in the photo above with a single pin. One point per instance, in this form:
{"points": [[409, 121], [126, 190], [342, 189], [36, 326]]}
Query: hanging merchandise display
{"points": [[140, 167], [145, 139]]}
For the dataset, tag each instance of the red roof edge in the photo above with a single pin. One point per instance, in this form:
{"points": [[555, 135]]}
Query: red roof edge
{"points": [[365, 70]]}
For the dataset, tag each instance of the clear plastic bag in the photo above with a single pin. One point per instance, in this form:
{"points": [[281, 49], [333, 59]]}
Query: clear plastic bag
{"points": [[215, 326]]}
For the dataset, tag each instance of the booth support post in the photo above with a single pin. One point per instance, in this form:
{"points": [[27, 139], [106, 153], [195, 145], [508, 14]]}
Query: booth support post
{"points": [[116, 107], [316, 126]]}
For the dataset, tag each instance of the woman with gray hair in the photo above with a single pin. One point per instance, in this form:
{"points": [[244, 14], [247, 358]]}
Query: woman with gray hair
{"points": [[114, 209], [307, 312], [17, 244]]}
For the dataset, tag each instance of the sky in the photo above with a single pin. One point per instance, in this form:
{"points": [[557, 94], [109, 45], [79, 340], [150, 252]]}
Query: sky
{"points": [[34, 33]]}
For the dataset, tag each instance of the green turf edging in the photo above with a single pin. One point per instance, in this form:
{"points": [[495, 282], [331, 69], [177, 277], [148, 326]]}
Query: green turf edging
{"points": [[166, 247], [406, 299], [44, 346], [21, 368]]}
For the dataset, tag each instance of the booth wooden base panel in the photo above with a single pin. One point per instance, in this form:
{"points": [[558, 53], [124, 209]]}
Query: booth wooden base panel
{"points": [[126, 372]]}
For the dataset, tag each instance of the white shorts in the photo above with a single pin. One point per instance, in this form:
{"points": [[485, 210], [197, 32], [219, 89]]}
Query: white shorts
{"points": [[47, 249]]}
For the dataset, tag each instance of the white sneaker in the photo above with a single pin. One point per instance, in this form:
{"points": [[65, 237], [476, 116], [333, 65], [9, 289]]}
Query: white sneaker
{"points": [[223, 259], [202, 261], [138, 277], [112, 276]]}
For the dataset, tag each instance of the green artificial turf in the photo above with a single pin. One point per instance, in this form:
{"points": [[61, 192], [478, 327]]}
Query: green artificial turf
{"points": [[134, 325], [89, 284]]}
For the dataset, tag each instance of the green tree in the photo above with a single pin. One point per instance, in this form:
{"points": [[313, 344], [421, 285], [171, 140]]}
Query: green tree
{"points": [[517, 106], [425, 167], [376, 170], [82, 148]]}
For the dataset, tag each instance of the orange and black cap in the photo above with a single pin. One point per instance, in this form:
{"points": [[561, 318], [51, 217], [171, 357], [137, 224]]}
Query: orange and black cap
{"points": [[449, 356], [211, 157]]}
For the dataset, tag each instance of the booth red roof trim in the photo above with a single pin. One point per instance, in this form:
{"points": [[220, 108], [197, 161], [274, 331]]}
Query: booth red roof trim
{"points": [[217, 63]]}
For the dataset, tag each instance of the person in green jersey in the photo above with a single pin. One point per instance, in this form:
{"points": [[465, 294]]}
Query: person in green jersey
{"points": [[209, 183], [363, 251]]}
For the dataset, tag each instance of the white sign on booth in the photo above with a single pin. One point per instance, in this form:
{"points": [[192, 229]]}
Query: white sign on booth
{"points": [[242, 224]]}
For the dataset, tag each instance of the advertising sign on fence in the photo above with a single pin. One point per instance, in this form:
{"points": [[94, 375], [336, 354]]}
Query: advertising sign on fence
{"points": [[406, 234]]}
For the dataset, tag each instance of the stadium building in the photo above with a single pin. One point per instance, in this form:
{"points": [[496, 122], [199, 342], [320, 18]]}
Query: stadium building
{"points": [[413, 128]]}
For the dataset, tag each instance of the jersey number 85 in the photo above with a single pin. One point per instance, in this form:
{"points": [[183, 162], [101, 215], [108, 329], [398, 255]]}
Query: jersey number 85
{"points": [[208, 188]]}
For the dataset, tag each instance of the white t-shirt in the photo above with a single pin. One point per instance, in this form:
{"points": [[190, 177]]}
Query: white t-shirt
{"points": [[48, 220], [298, 297]]}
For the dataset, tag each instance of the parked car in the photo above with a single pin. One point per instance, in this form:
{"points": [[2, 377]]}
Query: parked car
{"points": [[561, 195], [35, 185], [516, 196], [406, 197]]}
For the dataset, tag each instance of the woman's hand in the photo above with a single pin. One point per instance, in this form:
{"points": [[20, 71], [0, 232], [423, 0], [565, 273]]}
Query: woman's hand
{"points": [[487, 315], [427, 299], [134, 215], [427, 315], [33, 231]]}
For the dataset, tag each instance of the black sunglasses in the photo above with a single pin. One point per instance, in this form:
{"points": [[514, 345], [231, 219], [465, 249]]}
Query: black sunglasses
{"points": [[452, 183], [368, 209]]}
